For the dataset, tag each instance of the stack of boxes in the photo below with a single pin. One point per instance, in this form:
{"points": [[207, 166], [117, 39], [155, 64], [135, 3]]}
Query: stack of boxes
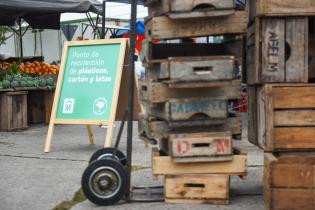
{"points": [[282, 99], [188, 94]]}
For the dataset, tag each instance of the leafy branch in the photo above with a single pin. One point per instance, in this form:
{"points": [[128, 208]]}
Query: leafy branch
{"points": [[3, 33]]}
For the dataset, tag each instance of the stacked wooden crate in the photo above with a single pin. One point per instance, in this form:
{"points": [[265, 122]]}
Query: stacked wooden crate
{"points": [[282, 99], [187, 95]]}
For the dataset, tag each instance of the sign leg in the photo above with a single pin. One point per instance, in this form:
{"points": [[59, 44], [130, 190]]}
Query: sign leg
{"points": [[90, 133], [109, 135], [49, 137]]}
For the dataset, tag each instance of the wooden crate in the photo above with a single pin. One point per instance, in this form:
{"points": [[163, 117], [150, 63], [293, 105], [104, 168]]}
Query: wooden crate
{"points": [[201, 147], [188, 109], [163, 27], [277, 51], [197, 189], [286, 117], [13, 110], [262, 8], [36, 108], [289, 181], [154, 130], [176, 9], [158, 92], [164, 165], [193, 69], [156, 53]]}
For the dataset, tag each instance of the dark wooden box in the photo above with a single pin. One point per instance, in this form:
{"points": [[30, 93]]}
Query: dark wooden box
{"points": [[13, 110], [36, 109]]}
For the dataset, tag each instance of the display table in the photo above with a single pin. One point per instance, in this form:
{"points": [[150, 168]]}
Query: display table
{"points": [[22, 106]]}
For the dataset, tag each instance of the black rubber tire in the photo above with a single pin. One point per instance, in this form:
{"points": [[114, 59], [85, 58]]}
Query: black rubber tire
{"points": [[90, 193], [107, 152]]}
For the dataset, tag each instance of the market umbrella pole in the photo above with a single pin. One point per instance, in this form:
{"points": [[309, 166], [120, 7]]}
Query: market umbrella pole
{"points": [[21, 39], [103, 20], [131, 78]]}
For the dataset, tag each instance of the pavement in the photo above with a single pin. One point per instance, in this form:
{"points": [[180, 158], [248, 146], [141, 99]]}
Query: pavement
{"points": [[32, 179]]}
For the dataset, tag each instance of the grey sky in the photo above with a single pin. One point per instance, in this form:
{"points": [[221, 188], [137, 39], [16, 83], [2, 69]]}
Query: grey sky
{"points": [[113, 10]]}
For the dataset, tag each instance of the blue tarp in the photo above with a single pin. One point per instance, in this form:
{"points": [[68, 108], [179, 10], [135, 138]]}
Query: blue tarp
{"points": [[139, 29]]}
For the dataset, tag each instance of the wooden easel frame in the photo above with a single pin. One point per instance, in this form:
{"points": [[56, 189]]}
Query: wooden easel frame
{"points": [[109, 123]]}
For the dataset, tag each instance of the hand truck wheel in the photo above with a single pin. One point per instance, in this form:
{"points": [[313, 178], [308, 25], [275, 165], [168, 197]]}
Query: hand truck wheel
{"points": [[104, 182], [106, 153]]}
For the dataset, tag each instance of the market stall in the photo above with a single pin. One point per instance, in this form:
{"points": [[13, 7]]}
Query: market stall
{"points": [[27, 84]]}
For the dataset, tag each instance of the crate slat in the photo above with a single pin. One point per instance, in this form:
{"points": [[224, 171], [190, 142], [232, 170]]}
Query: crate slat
{"points": [[164, 165]]}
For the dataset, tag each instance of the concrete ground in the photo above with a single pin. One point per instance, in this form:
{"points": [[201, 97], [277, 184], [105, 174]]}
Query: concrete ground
{"points": [[31, 179]]}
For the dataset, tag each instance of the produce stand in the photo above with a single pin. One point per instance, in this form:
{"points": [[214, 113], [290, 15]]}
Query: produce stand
{"points": [[37, 80], [40, 14]]}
